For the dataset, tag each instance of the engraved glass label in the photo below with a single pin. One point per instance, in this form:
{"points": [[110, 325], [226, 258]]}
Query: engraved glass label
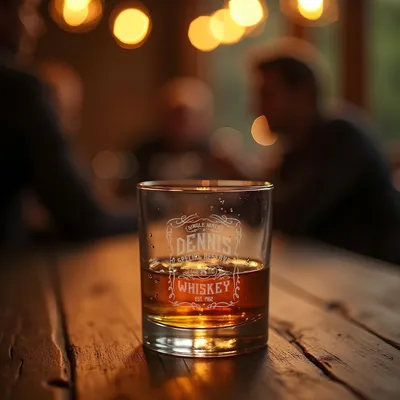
{"points": [[202, 271]]}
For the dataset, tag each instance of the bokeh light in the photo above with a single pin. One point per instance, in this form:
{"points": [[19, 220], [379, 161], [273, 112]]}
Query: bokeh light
{"points": [[311, 13], [224, 28], [311, 9], [246, 12], [200, 34], [262, 133], [76, 15], [131, 27], [76, 5], [257, 30]]}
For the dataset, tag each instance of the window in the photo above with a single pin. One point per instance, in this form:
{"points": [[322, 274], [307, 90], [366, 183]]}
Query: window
{"points": [[385, 66]]}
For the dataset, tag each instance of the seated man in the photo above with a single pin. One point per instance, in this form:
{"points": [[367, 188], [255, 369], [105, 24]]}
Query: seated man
{"points": [[180, 149], [33, 152], [333, 184]]}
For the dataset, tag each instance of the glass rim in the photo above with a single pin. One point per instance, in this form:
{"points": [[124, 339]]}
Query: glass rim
{"points": [[201, 186]]}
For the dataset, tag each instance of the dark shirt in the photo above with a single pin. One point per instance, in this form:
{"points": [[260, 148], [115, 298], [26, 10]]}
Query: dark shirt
{"points": [[34, 154], [336, 187]]}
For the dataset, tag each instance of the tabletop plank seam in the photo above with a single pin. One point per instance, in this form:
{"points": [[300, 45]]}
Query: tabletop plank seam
{"points": [[332, 306], [69, 348], [17, 376], [284, 330]]}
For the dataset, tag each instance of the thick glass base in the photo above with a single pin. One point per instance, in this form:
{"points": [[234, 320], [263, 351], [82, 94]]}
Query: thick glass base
{"points": [[206, 342]]}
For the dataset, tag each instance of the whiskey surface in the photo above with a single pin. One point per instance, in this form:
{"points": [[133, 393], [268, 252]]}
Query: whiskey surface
{"points": [[205, 293]]}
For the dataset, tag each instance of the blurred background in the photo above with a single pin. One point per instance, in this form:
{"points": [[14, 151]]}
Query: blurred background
{"points": [[107, 61]]}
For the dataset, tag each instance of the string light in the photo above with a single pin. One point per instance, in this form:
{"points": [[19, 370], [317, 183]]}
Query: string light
{"points": [[131, 27], [311, 9], [76, 5], [311, 13], [76, 15], [261, 132], [246, 12], [224, 28], [200, 34]]}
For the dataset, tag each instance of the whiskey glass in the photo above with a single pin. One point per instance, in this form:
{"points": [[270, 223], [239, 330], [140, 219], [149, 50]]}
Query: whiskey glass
{"points": [[204, 257]]}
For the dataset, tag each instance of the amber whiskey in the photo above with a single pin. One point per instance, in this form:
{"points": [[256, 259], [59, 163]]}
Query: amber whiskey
{"points": [[207, 293]]}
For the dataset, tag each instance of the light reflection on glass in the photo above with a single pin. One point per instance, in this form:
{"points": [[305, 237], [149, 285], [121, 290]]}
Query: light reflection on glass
{"points": [[183, 342]]}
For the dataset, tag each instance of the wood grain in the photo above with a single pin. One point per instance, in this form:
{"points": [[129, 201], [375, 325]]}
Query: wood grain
{"points": [[361, 289], [33, 363], [363, 363], [101, 294], [280, 372]]}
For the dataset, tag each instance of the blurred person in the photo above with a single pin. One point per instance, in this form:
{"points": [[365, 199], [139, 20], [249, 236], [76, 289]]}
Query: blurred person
{"points": [[33, 151], [66, 93], [180, 147], [333, 184]]}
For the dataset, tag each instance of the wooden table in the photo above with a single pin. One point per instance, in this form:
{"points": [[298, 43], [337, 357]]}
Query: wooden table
{"points": [[70, 329]]}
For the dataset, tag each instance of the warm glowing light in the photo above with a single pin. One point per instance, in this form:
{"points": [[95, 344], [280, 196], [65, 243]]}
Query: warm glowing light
{"points": [[262, 133], [246, 12], [253, 31], [224, 28], [200, 34], [200, 343], [75, 17], [311, 9], [76, 5], [131, 26]]}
